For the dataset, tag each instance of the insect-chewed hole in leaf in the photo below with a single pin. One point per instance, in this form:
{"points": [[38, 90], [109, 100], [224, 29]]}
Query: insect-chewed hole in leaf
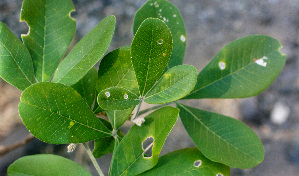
{"points": [[183, 38], [107, 94], [72, 13], [28, 32], [147, 146], [221, 65], [126, 96], [197, 163], [160, 41], [261, 61], [219, 175]]}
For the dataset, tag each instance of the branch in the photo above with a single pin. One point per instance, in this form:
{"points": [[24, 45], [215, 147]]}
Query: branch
{"points": [[5, 149]]}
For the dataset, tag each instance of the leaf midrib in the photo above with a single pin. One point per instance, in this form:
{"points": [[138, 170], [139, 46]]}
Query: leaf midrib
{"points": [[240, 69], [86, 53], [68, 118], [215, 133], [16, 62]]}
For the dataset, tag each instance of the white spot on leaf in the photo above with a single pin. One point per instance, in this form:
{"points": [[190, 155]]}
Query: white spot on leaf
{"points": [[174, 15], [138, 121], [160, 41], [107, 94], [151, 4], [183, 38], [197, 163], [261, 61], [160, 10], [221, 65], [126, 96]]}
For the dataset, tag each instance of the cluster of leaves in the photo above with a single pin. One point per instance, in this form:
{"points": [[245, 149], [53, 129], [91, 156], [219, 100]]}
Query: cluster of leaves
{"points": [[62, 95]]}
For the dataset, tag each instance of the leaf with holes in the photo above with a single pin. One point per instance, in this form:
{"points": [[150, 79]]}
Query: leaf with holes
{"points": [[86, 53], [57, 114], [118, 117], [16, 66], [116, 69], [151, 49], [128, 158], [185, 162], [173, 85], [167, 12], [243, 68], [51, 30], [117, 98], [222, 139], [86, 87], [45, 165]]}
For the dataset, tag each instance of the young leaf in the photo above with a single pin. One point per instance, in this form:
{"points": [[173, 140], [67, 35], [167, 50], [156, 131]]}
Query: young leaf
{"points": [[86, 87], [86, 53], [57, 114], [128, 158], [151, 49], [185, 162], [222, 139], [51, 30], [45, 165], [243, 68], [117, 98], [116, 69], [118, 117], [167, 12], [173, 85], [16, 66]]}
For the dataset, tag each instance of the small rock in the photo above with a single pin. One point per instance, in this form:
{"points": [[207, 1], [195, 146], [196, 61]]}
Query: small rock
{"points": [[279, 113]]}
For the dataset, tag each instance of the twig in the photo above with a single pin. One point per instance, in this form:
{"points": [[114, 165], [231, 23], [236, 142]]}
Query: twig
{"points": [[92, 158], [4, 150]]}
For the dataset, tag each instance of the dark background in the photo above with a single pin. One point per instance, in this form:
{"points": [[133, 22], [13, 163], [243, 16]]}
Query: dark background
{"points": [[210, 24]]}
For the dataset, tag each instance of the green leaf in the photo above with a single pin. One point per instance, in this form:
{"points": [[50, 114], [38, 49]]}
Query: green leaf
{"points": [[167, 12], [116, 69], [185, 162], [117, 98], [222, 139], [243, 68], [45, 165], [86, 53], [151, 49], [128, 158], [16, 66], [86, 87], [106, 145], [173, 85], [51, 30], [118, 117], [57, 114]]}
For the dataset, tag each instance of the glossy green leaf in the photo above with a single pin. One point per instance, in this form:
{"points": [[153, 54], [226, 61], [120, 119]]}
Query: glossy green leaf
{"points": [[86, 87], [86, 53], [116, 69], [51, 30], [128, 158], [118, 117], [186, 162], [222, 139], [57, 114], [243, 68], [16, 66], [173, 85], [117, 98], [167, 12], [151, 49], [45, 165]]}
